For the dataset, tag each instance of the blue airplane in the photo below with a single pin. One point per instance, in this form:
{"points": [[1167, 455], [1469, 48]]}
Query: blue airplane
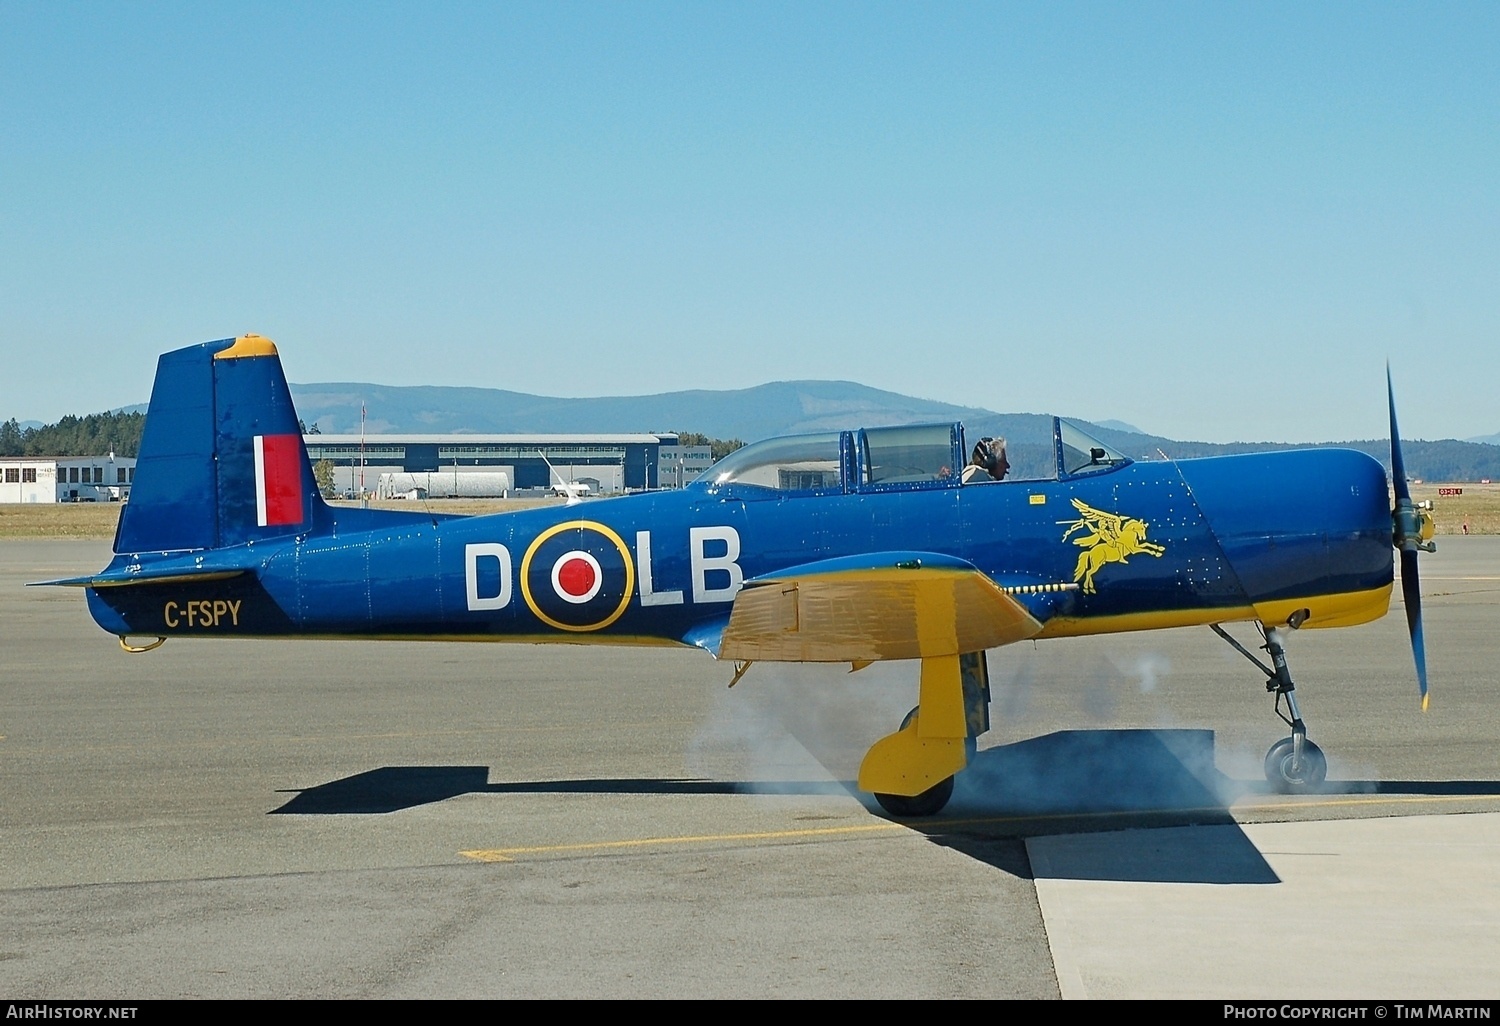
{"points": [[849, 546]]}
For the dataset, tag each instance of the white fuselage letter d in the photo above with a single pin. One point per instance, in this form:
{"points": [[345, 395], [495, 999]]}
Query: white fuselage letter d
{"points": [[472, 555]]}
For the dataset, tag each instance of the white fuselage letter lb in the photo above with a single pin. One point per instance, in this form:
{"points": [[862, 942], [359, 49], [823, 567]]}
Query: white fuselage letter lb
{"points": [[649, 596], [698, 541], [472, 555]]}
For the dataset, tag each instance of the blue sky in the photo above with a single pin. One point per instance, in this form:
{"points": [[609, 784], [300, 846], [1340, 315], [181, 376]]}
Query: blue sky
{"points": [[1215, 221]]}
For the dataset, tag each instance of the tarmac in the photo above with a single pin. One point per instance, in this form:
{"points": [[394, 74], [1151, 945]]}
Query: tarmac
{"points": [[311, 819]]}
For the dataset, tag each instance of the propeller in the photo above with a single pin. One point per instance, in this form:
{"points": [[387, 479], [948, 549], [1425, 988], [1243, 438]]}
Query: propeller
{"points": [[1408, 528]]}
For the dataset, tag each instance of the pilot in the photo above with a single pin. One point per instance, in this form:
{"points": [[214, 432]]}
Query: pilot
{"points": [[989, 456]]}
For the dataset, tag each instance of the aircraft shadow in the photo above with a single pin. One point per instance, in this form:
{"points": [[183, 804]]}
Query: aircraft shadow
{"points": [[1102, 783], [1451, 787], [1112, 784], [394, 788], [1073, 773], [1108, 784], [1477, 788]]}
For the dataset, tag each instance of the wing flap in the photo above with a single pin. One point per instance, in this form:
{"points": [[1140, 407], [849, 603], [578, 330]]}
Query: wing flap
{"points": [[883, 606]]}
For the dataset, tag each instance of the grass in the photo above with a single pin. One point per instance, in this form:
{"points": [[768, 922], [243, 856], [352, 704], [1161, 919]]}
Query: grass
{"points": [[1479, 505], [59, 520]]}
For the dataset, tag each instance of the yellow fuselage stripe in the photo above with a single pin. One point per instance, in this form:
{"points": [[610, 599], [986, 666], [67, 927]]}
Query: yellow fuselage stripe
{"points": [[1338, 610]]}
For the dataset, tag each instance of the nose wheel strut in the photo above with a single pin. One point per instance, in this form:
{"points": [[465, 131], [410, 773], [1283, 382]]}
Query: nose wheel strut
{"points": [[1294, 765]]}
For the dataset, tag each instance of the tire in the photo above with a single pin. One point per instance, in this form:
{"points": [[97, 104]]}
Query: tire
{"points": [[929, 803], [1307, 778]]}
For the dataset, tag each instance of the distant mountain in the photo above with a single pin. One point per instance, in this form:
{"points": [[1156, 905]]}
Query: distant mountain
{"points": [[1029, 438], [791, 407], [778, 408], [1482, 440]]}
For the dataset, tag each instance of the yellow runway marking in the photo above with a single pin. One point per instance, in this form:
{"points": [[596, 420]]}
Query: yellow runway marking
{"points": [[508, 854], [944, 825]]}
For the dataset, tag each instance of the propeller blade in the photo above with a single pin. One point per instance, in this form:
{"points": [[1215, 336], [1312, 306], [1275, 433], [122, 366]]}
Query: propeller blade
{"points": [[1398, 465], [1407, 536], [1411, 594]]}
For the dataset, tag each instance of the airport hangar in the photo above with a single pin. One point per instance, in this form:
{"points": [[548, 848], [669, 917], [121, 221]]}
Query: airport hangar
{"points": [[468, 465]]}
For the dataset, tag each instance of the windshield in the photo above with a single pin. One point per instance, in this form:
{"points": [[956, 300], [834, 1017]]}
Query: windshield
{"points": [[799, 463], [1082, 453]]}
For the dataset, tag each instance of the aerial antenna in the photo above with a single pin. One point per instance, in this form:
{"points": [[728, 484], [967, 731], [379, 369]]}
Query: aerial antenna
{"points": [[570, 489]]}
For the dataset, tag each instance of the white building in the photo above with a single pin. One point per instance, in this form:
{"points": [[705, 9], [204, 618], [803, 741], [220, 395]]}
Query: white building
{"points": [[30, 479], [680, 465], [607, 463]]}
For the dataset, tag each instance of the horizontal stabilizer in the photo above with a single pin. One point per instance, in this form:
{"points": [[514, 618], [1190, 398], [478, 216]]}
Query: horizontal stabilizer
{"points": [[884, 605], [124, 578]]}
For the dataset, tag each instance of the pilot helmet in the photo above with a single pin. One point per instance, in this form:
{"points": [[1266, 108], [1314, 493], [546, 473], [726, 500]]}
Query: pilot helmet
{"points": [[986, 454]]}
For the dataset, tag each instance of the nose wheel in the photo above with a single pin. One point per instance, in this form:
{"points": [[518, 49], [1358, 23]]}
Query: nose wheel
{"points": [[1292, 772], [1294, 765]]}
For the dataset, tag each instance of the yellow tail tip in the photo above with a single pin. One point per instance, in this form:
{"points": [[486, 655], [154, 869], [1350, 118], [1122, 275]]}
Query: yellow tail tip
{"points": [[247, 345], [1424, 701]]}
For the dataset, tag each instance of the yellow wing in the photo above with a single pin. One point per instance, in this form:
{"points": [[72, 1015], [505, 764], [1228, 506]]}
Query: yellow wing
{"points": [[883, 606]]}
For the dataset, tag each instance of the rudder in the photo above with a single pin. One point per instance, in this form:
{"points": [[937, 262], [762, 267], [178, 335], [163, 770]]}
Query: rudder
{"points": [[222, 460]]}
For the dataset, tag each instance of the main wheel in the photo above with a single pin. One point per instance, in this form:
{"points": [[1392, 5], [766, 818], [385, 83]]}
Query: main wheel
{"points": [[1307, 777], [929, 803], [971, 743]]}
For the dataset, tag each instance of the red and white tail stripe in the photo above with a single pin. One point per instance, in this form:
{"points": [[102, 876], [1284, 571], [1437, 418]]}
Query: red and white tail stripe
{"points": [[278, 480]]}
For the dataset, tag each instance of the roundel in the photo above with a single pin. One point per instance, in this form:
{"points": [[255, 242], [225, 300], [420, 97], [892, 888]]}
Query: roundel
{"points": [[577, 576]]}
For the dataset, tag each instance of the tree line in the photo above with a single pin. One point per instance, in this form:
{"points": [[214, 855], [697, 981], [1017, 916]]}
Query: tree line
{"points": [[96, 434], [721, 446]]}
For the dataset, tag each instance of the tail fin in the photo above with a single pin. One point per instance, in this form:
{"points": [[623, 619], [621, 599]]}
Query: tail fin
{"points": [[222, 460]]}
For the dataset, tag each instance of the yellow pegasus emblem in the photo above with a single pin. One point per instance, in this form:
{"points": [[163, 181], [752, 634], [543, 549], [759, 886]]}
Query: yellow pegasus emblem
{"points": [[1109, 538]]}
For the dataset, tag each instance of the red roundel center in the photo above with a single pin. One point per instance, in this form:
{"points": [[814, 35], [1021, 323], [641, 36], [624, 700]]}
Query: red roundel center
{"points": [[576, 577]]}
